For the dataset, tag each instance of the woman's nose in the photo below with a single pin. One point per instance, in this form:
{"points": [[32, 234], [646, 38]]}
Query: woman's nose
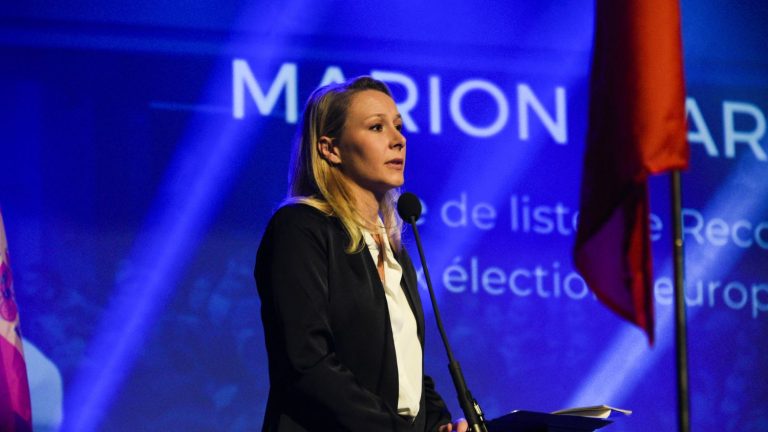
{"points": [[398, 140]]}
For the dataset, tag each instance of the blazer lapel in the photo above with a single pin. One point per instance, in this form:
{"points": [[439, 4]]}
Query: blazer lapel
{"points": [[409, 285]]}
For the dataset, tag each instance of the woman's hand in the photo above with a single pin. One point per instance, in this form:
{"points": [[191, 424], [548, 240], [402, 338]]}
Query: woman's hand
{"points": [[459, 425]]}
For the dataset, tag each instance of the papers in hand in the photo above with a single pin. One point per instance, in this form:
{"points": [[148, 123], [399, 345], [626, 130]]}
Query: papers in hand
{"points": [[597, 411]]}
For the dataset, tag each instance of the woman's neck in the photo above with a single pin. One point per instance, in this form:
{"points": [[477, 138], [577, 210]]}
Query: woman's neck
{"points": [[367, 204]]}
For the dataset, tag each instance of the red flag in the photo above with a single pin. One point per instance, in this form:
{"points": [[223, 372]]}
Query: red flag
{"points": [[15, 406], [636, 128]]}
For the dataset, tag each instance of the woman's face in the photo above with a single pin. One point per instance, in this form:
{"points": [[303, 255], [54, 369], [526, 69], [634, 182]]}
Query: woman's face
{"points": [[371, 148]]}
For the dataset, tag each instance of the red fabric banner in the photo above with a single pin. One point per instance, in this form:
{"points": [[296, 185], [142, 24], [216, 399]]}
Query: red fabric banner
{"points": [[636, 128], [15, 405]]}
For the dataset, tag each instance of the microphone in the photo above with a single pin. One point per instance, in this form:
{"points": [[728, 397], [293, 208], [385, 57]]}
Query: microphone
{"points": [[409, 209]]}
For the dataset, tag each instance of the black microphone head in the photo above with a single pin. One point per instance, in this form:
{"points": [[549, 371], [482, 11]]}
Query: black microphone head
{"points": [[409, 207]]}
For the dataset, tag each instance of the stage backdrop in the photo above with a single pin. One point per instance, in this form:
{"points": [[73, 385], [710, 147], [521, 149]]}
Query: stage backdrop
{"points": [[146, 144]]}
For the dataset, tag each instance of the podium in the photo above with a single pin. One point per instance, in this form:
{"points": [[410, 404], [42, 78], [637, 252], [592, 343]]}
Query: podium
{"points": [[531, 421]]}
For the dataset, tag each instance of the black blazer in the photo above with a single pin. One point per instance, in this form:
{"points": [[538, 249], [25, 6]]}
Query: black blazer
{"points": [[332, 362]]}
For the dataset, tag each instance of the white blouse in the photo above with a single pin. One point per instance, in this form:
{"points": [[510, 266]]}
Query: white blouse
{"points": [[407, 345]]}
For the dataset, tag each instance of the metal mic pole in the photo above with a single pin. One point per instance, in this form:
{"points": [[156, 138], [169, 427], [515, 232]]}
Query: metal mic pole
{"points": [[469, 405]]}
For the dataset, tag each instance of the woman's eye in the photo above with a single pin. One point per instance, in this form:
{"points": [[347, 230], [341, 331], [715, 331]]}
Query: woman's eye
{"points": [[399, 127], [377, 127]]}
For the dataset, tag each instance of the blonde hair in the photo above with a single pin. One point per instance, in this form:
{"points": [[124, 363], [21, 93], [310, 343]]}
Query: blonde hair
{"points": [[314, 181]]}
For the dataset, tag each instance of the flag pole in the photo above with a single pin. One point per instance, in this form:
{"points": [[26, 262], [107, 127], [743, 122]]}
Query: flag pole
{"points": [[681, 339]]}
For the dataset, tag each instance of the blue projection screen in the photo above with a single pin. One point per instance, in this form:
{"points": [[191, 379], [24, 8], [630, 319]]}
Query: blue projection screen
{"points": [[145, 146]]}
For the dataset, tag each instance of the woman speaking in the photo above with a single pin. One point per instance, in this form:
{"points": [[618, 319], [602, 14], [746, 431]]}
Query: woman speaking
{"points": [[343, 321]]}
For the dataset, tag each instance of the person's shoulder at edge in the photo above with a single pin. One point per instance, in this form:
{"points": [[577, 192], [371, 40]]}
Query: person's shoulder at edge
{"points": [[292, 223], [298, 214]]}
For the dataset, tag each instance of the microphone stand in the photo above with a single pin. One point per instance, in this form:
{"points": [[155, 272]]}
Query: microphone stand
{"points": [[472, 411]]}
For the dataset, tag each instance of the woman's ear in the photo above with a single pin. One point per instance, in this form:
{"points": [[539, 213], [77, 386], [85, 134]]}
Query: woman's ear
{"points": [[329, 150]]}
